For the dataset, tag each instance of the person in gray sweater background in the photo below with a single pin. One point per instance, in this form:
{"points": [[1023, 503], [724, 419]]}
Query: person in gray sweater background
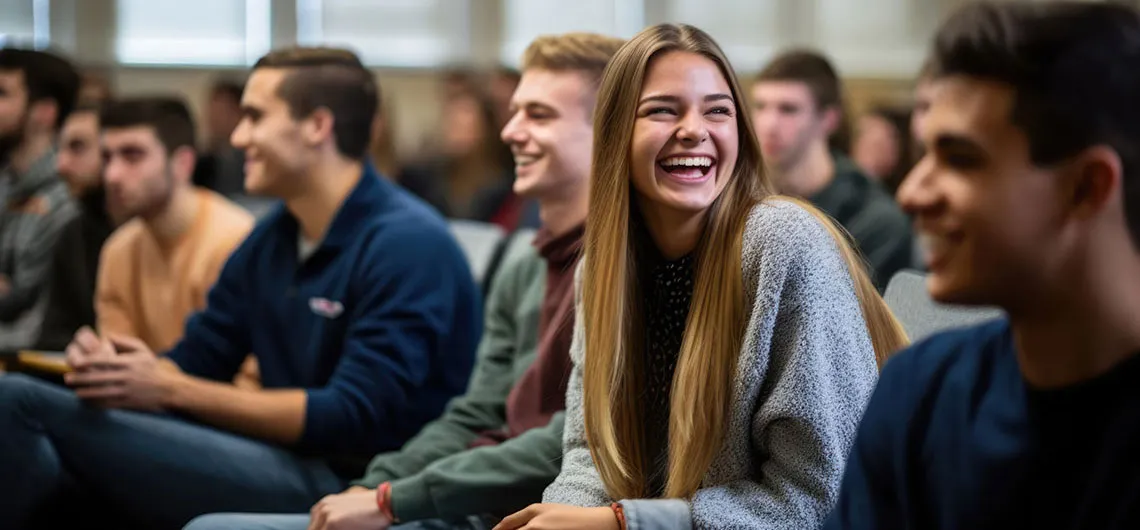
{"points": [[729, 338]]}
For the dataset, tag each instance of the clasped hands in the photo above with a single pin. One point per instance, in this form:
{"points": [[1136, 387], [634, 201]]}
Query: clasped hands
{"points": [[119, 372]]}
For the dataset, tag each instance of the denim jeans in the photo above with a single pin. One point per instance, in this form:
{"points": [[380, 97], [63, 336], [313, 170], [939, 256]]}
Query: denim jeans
{"points": [[250, 521], [157, 470]]}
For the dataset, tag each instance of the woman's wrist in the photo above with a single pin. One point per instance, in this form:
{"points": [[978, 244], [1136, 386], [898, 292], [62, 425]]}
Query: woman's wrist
{"points": [[619, 513]]}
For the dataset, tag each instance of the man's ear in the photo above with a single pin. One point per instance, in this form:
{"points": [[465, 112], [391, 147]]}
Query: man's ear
{"points": [[183, 160], [1094, 178], [832, 116], [317, 127]]}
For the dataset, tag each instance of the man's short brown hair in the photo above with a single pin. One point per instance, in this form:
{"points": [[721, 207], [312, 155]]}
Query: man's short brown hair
{"points": [[809, 68], [817, 73], [334, 79], [588, 53]]}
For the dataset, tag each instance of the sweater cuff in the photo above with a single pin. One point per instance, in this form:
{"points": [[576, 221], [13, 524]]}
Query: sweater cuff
{"points": [[657, 514], [411, 499]]}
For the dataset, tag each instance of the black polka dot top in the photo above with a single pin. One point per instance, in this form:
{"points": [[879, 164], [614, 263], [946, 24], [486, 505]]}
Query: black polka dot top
{"points": [[669, 289]]}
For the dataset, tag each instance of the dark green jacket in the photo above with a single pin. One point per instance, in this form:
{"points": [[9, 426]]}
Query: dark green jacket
{"points": [[436, 475], [882, 232]]}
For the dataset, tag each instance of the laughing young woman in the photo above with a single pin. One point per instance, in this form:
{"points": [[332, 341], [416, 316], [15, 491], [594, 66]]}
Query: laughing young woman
{"points": [[728, 339]]}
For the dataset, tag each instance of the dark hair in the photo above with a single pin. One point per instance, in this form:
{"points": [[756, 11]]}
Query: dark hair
{"points": [[814, 70], [508, 72], [495, 151], [229, 89], [333, 79], [167, 115], [47, 76], [899, 120], [1075, 71]]}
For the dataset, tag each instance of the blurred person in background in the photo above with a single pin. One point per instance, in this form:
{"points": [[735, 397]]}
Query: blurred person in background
{"points": [[220, 166], [797, 107], [71, 287], [37, 93], [383, 146], [883, 146], [94, 89], [157, 268], [504, 81], [471, 175]]}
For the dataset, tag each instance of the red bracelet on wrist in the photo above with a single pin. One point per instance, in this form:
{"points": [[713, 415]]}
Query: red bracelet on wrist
{"points": [[384, 500], [619, 512]]}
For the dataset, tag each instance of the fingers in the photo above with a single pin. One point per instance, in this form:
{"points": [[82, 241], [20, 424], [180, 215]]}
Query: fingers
{"points": [[88, 340], [520, 518], [85, 348], [95, 377], [126, 344], [319, 514], [76, 359]]}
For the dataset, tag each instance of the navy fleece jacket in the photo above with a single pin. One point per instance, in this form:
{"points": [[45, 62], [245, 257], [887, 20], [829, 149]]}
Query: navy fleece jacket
{"points": [[379, 325]]}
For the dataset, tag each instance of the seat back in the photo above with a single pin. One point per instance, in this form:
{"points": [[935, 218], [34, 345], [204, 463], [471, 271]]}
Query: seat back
{"points": [[921, 316], [258, 207], [479, 242]]}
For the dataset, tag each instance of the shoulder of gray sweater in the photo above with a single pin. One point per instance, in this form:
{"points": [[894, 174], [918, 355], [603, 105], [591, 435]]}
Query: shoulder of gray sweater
{"points": [[781, 238]]}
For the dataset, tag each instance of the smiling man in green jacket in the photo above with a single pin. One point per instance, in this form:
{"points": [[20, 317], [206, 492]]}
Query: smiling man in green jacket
{"points": [[496, 448]]}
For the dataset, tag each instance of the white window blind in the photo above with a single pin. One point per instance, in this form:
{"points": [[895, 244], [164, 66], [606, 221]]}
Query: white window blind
{"points": [[874, 37], [526, 19], [749, 31], [24, 23], [194, 32], [389, 33]]}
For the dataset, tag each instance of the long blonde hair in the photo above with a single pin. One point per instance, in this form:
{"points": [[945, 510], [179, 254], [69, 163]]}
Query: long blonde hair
{"points": [[706, 365]]}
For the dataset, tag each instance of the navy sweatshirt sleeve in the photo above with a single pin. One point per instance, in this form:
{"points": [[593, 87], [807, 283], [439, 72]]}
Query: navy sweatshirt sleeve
{"points": [[396, 363], [217, 338], [869, 496]]}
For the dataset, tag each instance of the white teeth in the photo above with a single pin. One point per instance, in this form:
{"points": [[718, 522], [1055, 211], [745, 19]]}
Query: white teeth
{"points": [[688, 161], [525, 160]]}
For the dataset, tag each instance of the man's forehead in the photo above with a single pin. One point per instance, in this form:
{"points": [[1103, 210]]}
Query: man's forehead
{"points": [[781, 90], [549, 87], [262, 85], [81, 124], [969, 105], [129, 136]]}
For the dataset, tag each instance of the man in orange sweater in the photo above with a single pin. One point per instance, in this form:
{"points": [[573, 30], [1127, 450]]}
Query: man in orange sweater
{"points": [[156, 269]]}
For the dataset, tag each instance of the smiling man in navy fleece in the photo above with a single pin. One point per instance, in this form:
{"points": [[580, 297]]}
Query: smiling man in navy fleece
{"points": [[353, 296], [1027, 199]]}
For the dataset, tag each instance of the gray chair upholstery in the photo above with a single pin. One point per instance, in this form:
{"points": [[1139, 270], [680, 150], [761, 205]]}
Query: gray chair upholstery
{"points": [[921, 316], [479, 242], [256, 206]]}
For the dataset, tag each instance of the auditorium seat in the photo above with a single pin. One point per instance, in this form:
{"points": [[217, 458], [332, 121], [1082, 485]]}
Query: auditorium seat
{"points": [[257, 206], [921, 316], [480, 242]]}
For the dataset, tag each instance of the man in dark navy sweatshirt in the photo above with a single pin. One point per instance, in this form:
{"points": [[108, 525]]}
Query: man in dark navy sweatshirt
{"points": [[354, 297], [1027, 199]]}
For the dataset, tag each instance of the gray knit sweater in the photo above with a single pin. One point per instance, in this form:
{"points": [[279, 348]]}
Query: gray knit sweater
{"points": [[805, 374]]}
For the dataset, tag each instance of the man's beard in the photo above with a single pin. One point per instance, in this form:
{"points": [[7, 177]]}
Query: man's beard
{"points": [[11, 140], [156, 202]]}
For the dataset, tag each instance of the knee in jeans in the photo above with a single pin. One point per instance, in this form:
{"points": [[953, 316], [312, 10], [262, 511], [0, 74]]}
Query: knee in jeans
{"points": [[18, 393]]}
